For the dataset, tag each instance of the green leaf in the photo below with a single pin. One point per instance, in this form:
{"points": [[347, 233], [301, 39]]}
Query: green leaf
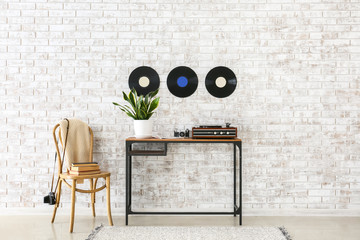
{"points": [[140, 101], [132, 100], [135, 93], [154, 104], [143, 114], [125, 96], [147, 100], [123, 109], [149, 115], [127, 112], [137, 99], [116, 104], [132, 116], [153, 93], [129, 109]]}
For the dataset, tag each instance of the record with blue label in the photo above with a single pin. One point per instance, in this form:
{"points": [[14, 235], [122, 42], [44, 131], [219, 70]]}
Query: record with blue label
{"points": [[220, 82], [182, 81], [144, 79]]}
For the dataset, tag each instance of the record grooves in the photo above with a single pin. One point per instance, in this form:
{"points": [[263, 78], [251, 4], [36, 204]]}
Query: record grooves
{"points": [[182, 81], [144, 79], [220, 82]]}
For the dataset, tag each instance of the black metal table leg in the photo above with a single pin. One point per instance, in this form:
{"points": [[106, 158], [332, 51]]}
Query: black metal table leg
{"points": [[234, 145], [240, 183], [130, 178], [127, 184]]}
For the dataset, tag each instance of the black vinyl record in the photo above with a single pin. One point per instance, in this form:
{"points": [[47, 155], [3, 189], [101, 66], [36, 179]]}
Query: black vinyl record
{"points": [[144, 80], [182, 81], [220, 82]]}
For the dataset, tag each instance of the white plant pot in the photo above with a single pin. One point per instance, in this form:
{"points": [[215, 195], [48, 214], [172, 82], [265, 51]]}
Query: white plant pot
{"points": [[143, 128]]}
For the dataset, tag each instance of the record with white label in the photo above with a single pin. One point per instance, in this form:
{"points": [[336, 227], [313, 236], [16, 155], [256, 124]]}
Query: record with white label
{"points": [[144, 79], [220, 82], [182, 81]]}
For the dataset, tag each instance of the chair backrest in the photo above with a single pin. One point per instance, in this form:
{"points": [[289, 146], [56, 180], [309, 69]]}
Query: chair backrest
{"points": [[57, 135]]}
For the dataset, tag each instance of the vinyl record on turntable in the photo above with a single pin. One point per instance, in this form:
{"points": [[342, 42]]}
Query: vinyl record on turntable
{"points": [[220, 82], [182, 81], [144, 79]]}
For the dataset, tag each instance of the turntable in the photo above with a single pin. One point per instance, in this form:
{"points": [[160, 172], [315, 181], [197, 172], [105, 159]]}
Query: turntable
{"points": [[214, 131]]}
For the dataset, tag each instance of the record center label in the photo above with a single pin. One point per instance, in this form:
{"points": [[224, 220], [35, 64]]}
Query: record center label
{"points": [[144, 81], [220, 82], [182, 81]]}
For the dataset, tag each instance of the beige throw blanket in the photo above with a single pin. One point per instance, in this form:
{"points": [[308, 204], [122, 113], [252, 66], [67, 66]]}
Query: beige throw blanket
{"points": [[78, 141]]}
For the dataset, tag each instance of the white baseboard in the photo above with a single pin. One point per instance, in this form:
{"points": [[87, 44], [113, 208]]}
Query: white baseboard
{"points": [[303, 212], [48, 210]]}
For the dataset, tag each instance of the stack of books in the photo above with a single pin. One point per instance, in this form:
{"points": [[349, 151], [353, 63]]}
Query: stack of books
{"points": [[84, 168]]}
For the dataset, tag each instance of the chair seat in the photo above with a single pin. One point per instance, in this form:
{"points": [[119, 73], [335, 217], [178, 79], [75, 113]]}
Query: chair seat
{"points": [[97, 175]]}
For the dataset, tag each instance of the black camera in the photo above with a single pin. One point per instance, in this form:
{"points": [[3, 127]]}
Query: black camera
{"points": [[185, 133], [50, 199]]}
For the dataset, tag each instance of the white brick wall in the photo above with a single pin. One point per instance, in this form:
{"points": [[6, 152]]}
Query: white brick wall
{"points": [[296, 104]]}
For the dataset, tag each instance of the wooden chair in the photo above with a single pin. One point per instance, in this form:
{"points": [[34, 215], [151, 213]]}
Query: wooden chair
{"points": [[63, 177]]}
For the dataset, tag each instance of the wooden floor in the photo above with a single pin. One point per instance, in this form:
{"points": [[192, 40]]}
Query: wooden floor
{"points": [[300, 228]]}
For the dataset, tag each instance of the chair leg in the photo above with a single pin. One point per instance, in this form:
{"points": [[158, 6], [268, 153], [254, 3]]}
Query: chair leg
{"points": [[72, 205], [92, 187], [57, 201], [108, 200]]}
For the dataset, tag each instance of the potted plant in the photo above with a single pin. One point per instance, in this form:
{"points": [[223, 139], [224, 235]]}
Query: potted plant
{"points": [[141, 109]]}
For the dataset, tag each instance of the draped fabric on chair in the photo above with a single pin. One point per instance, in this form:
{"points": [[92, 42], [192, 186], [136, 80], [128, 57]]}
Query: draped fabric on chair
{"points": [[78, 142]]}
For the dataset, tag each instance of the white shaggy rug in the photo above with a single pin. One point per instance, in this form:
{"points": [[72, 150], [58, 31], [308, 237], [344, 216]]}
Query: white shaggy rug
{"points": [[188, 233]]}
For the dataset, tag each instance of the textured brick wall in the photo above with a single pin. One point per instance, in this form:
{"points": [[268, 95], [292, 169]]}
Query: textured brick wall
{"points": [[296, 104]]}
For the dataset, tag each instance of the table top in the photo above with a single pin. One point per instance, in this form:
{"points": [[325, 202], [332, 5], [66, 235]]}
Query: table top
{"points": [[154, 139]]}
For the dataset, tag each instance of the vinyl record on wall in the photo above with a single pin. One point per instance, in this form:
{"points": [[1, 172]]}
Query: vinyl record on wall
{"points": [[144, 79], [220, 82], [182, 81]]}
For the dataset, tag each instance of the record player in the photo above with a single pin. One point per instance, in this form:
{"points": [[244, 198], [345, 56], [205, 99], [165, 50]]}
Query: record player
{"points": [[214, 131]]}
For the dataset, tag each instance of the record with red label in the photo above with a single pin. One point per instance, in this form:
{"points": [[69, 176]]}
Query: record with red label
{"points": [[220, 82], [182, 81], [144, 79]]}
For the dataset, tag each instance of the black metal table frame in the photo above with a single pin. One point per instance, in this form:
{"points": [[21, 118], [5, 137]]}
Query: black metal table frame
{"points": [[130, 153]]}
